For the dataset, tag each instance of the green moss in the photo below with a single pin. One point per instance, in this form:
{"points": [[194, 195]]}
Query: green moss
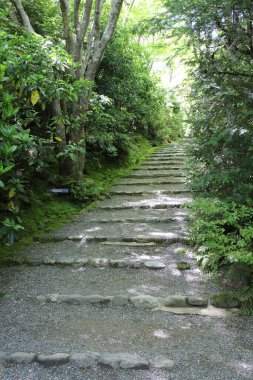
{"points": [[183, 265], [224, 300]]}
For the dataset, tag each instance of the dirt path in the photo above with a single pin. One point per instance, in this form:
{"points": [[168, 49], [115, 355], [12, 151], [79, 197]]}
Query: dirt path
{"points": [[105, 297]]}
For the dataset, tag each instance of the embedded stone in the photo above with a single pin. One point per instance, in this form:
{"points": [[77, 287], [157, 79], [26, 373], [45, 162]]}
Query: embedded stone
{"points": [[99, 262], [147, 302], [118, 263], [54, 359], [162, 362], [49, 261], [152, 264], [110, 360], [81, 263], [120, 300], [135, 263], [21, 357], [65, 261], [197, 301], [98, 299], [133, 362], [74, 299], [123, 360], [75, 237], [83, 359], [174, 301]]}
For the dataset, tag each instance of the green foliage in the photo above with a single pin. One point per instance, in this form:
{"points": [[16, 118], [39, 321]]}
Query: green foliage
{"points": [[27, 66], [130, 101], [225, 229]]}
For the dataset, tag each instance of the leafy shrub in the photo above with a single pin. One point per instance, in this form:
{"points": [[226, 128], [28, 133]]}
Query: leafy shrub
{"points": [[225, 228]]}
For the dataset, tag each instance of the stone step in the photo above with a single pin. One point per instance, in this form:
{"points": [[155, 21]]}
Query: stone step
{"points": [[77, 250], [83, 230], [165, 238], [149, 189], [166, 173], [182, 304], [154, 181], [133, 215], [169, 157], [162, 169], [88, 359], [101, 262], [152, 201], [159, 161]]}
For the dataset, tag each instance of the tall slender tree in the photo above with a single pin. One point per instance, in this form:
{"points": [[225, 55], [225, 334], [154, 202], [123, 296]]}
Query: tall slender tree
{"points": [[86, 41]]}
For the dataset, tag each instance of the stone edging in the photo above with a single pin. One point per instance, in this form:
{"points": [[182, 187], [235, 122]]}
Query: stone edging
{"points": [[107, 263], [142, 301], [89, 359]]}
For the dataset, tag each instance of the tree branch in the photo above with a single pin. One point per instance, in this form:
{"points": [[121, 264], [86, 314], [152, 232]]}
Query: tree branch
{"points": [[82, 29], [23, 15], [107, 35], [67, 29], [76, 14]]}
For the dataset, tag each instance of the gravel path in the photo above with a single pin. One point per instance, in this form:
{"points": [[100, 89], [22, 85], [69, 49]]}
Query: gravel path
{"points": [[135, 223]]}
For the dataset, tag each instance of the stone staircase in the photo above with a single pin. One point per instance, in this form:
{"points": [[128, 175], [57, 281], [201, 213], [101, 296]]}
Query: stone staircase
{"points": [[117, 290]]}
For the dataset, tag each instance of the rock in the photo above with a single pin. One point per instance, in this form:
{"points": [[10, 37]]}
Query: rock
{"points": [[118, 263], [74, 299], [133, 362], [183, 265], [54, 359], [99, 262], [197, 301], [174, 301], [83, 359], [110, 360], [123, 360], [3, 356], [104, 300], [75, 237], [163, 363], [152, 264], [82, 261], [65, 261], [147, 302], [120, 300], [21, 357], [224, 300], [52, 297], [49, 261], [135, 263]]}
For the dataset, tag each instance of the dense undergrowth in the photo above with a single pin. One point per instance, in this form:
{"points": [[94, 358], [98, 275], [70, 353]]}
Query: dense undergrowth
{"points": [[47, 212], [217, 36]]}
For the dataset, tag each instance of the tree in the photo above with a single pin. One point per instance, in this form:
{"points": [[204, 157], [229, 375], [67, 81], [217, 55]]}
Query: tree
{"points": [[85, 41]]}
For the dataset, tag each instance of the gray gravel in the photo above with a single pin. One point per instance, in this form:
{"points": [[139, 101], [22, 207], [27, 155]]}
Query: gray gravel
{"points": [[202, 348]]}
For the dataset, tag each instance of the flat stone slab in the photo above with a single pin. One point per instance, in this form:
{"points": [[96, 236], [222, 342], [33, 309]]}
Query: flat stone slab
{"points": [[20, 357], [151, 201], [126, 181], [176, 304], [84, 360], [153, 173], [177, 188], [107, 263], [124, 361], [172, 231]]}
